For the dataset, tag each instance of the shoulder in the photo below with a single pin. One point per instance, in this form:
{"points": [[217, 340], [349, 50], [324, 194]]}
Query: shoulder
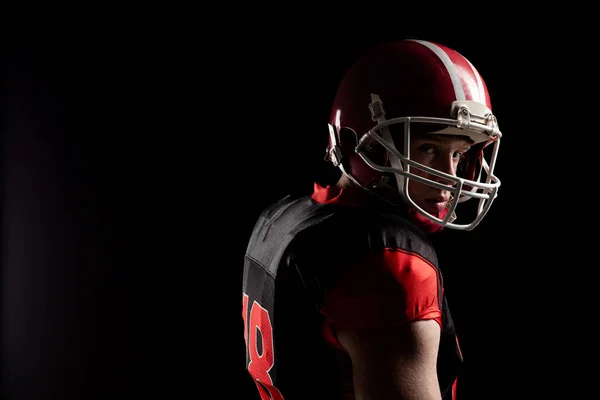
{"points": [[391, 232], [387, 287]]}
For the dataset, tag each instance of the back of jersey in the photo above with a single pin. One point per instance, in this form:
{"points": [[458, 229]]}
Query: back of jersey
{"points": [[285, 351]]}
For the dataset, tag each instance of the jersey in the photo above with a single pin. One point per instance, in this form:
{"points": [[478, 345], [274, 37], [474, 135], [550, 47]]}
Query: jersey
{"points": [[302, 258]]}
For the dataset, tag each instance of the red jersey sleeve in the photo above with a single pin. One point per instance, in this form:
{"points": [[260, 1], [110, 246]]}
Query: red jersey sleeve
{"points": [[390, 287]]}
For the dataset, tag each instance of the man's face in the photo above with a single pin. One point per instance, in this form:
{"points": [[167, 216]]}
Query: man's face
{"points": [[444, 153]]}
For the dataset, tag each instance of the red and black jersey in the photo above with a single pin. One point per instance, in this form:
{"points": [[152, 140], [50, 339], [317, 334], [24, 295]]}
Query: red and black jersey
{"points": [[313, 262]]}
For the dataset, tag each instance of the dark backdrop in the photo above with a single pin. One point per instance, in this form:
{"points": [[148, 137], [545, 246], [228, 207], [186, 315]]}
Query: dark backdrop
{"points": [[136, 163]]}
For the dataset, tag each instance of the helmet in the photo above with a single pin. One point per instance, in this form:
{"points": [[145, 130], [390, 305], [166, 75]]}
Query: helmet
{"points": [[408, 86]]}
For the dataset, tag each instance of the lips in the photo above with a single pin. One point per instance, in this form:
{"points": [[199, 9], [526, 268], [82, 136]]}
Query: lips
{"points": [[438, 203], [439, 198]]}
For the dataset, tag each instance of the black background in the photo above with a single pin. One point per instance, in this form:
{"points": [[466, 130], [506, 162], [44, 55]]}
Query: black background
{"points": [[135, 164]]}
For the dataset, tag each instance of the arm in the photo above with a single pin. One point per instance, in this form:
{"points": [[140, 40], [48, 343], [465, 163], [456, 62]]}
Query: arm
{"points": [[385, 313], [394, 363]]}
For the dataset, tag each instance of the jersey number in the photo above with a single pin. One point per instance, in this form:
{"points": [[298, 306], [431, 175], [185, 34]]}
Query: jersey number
{"points": [[258, 324]]}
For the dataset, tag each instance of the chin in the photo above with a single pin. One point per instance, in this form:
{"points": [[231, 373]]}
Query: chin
{"points": [[431, 209]]}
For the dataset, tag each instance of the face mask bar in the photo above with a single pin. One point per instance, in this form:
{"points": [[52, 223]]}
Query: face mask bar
{"points": [[488, 189]]}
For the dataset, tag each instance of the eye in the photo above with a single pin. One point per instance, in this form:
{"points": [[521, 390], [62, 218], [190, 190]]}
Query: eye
{"points": [[427, 148]]}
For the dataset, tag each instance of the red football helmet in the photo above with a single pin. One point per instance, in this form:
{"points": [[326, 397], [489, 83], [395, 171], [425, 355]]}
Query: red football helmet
{"points": [[426, 87]]}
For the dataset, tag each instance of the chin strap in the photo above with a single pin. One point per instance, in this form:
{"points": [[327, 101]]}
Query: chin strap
{"points": [[334, 153]]}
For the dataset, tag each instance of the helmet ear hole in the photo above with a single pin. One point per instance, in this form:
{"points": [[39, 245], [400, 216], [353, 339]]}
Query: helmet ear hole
{"points": [[353, 160], [348, 138], [349, 141]]}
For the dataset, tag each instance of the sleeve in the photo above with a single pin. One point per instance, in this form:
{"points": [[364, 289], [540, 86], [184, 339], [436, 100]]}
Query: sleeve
{"points": [[386, 288]]}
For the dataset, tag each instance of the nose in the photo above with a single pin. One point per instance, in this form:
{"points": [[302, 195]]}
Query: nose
{"points": [[446, 164]]}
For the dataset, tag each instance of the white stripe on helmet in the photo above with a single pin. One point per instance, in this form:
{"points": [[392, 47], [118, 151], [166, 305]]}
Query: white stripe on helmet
{"points": [[458, 89]]}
